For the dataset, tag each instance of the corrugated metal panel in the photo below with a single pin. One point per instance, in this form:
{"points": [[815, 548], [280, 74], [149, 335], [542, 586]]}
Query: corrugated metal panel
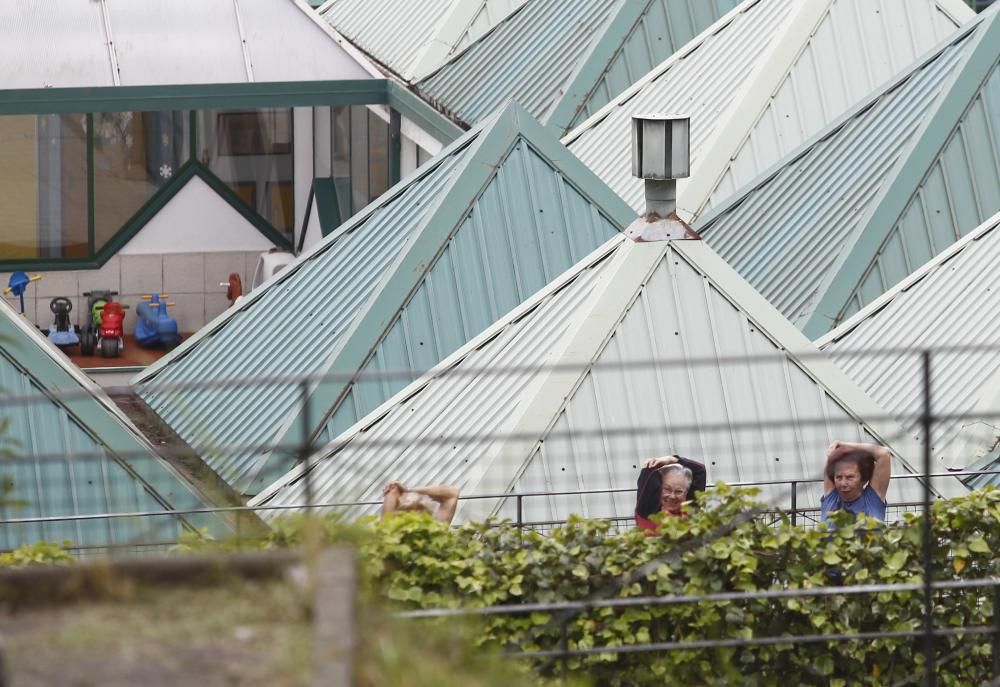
{"points": [[489, 14], [384, 30], [858, 46], [292, 329], [181, 41], [701, 82], [960, 191], [664, 27], [529, 225], [286, 44], [528, 57], [460, 408], [952, 301], [53, 43], [59, 466], [785, 235], [620, 411]]}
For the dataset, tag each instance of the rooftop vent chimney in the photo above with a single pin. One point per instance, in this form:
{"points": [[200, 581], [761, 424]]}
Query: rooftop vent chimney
{"points": [[661, 154]]}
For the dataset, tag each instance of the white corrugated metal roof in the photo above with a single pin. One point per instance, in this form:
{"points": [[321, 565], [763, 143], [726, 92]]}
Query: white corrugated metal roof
{"points": [[599, 371], [413, 39], [764, 79], [833, 225], [82, 43], [951, 302]]}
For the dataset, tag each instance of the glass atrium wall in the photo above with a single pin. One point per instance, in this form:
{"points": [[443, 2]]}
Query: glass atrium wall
{"points": [[72, 183]]}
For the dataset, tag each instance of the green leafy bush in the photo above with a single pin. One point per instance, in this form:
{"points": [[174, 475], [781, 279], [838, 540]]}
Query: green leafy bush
{"points": [[39, 553], [422, 564], [417, 562]]}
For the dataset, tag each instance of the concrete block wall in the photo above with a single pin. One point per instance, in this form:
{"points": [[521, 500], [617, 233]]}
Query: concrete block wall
{"points": [[192, 280]]}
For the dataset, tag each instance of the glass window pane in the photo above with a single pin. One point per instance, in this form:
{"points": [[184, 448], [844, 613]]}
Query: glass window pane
{"points": [[43, 177], [342, 159], [251, 152], [378, 155], [359, 158], [135, 154]]}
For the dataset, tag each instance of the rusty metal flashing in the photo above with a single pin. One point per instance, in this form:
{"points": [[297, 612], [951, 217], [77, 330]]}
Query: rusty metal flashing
{"points": [[652, 227]]}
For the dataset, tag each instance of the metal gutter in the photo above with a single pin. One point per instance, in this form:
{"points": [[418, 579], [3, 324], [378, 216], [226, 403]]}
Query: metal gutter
{"points": [[193, 96]]}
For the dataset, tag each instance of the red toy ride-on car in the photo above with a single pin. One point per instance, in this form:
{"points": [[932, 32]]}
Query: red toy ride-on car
{"points": [[111, 332]]}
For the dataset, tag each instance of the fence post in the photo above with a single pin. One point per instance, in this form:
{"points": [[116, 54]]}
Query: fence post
{"points": [[334, 631], [304, 448], [996, 635], [564, 647], [930, 678], [795, 503]]}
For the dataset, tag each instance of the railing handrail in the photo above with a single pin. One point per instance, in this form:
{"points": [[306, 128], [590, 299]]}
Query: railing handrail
{"points": [[673, 599]]}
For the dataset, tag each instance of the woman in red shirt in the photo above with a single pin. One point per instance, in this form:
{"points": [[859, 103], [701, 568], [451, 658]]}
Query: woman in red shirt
{"points": [[664, 485]]}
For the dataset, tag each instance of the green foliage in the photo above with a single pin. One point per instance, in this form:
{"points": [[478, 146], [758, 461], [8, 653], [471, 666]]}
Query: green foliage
{"points": [[420, 563], [39, 553]]}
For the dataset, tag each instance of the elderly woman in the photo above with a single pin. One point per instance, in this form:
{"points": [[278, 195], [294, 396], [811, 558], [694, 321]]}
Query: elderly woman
{"points": [[439, 501], [856, 479], [664, 485]]}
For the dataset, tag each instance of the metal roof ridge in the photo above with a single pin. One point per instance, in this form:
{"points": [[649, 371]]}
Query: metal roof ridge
{"points": [[910, 169], [656, 72], [576, 90], [831, 129], [512, 124], [401, 279], [747, 106], [562, 281], [847, 326], [353, 223], [481, 39], [788, 339], [552, 389]]}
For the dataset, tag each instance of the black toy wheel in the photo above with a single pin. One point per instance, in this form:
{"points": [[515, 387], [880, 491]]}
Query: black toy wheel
{"points": [[109, 347], [55, 303], [87, 343]]}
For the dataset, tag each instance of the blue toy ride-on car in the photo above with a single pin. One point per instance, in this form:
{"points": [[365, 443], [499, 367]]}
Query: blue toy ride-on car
{"points": [[62, 333], [154, 325]]}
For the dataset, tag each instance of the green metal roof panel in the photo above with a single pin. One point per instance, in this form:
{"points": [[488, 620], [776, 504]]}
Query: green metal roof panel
{"points": [[71, 452], [289, 327], [663, 28], [556, 57], [528, 226], [507, 192], [786, 233], [528, 57], [961, 189]]}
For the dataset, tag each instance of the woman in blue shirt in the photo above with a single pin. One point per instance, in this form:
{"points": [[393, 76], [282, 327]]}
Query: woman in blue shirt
{"points": [[856, 479]]}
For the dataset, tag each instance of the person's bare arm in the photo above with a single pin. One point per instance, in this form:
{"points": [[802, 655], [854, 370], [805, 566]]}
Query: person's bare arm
{"points": [[883, 464], [390, 497], [446, 497], [831, 455], [656, 463]]}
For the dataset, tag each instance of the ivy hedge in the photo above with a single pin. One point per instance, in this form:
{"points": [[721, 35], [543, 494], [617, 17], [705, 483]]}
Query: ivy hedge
{"points": [[420, 563]]}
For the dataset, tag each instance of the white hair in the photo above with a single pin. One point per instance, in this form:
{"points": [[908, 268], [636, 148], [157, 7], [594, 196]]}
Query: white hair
{"points": [[677, 467]]}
